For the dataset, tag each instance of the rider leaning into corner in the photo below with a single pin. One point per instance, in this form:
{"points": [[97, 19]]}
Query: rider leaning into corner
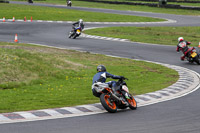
{"points": [[78, 24], [183, 46], [101, 76]]}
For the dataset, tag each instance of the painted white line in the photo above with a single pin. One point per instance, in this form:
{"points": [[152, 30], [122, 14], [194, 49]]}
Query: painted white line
{"points": [[39, 21], [72, 110], [27, 115], [51, 112], [3, 118], [47, 21], [59, 21], [92, 108], [20, 20]]}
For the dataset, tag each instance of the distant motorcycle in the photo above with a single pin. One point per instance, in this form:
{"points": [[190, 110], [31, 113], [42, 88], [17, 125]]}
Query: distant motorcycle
{"points": [[69, 3], [30, 1], [112, 101], [76, 32], [193, 56]]}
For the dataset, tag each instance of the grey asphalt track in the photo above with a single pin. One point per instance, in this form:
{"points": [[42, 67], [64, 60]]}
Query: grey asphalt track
{"points": [[181, 115]]}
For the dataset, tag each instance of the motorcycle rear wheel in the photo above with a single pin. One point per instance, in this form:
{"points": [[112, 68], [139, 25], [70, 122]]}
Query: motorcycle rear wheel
{"points": [[110, 106], [132, 103]]}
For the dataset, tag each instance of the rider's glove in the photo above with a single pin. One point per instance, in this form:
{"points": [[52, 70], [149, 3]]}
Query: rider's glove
{"points": [[122, 77]]}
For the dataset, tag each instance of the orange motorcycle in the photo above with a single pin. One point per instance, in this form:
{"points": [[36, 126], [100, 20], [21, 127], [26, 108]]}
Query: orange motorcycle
{"points": [[112, 100]]}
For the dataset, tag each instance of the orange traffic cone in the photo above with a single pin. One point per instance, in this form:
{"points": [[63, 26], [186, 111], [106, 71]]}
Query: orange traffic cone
{"points": [[16, 38], [31, 19], [199, 45], [25, 19], [13, 19], [4, 20]]}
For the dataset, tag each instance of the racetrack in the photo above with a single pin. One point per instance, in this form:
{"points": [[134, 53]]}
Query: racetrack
{"points": [[176, 116]]}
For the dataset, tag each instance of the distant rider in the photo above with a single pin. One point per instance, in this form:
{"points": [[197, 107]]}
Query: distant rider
{"points": [[69, 3], [101, 76], [183, 46]]}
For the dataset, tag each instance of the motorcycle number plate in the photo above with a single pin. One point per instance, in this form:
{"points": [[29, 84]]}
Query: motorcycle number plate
{"points": [[124, 87], [193, 54]]}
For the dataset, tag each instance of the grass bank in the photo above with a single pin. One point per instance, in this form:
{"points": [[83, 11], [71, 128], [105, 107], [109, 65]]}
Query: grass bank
{"points": [[124, 7], [33, 77], [50, 13], [155, 35]]}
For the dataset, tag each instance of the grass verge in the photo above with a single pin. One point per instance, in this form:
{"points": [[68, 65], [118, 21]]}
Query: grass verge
{"points": [[50, 13], [124, 7], [137, 8], [155, 35], [34, 77]]}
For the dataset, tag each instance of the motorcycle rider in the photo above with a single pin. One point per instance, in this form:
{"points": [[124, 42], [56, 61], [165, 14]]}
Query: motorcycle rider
{"points": [[77, 24], [69, 2], [101, 76], [183, 46]]}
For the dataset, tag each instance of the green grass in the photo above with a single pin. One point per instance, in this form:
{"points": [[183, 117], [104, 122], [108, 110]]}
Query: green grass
{"points": [[49, 13], [33, 77], [185, 4], [125, 7], [136, 8], [155, 35]]}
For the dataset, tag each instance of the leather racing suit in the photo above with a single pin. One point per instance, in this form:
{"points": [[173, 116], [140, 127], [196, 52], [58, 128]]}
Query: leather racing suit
{"points": [[101, 77], [183, 46], [78, 25]]}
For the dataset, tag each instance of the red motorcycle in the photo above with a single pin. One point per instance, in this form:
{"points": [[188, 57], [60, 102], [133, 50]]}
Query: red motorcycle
{"points": [[113, 100]]}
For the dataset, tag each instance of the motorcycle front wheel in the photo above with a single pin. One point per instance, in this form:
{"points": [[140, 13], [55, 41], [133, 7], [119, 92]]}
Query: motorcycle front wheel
{"points": [[196, 59], [107, 103], [70, 35], [132, 103], [75, 36]]}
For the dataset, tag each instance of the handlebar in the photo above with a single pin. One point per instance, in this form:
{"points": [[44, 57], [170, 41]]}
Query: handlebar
{"points": [[122, 79]]}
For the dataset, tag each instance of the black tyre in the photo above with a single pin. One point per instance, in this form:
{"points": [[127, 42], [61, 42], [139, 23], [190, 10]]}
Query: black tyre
{"points": [[107, 104], [70, 35], [75, 36], [122, 106], [196, 59], [132, 103]]}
